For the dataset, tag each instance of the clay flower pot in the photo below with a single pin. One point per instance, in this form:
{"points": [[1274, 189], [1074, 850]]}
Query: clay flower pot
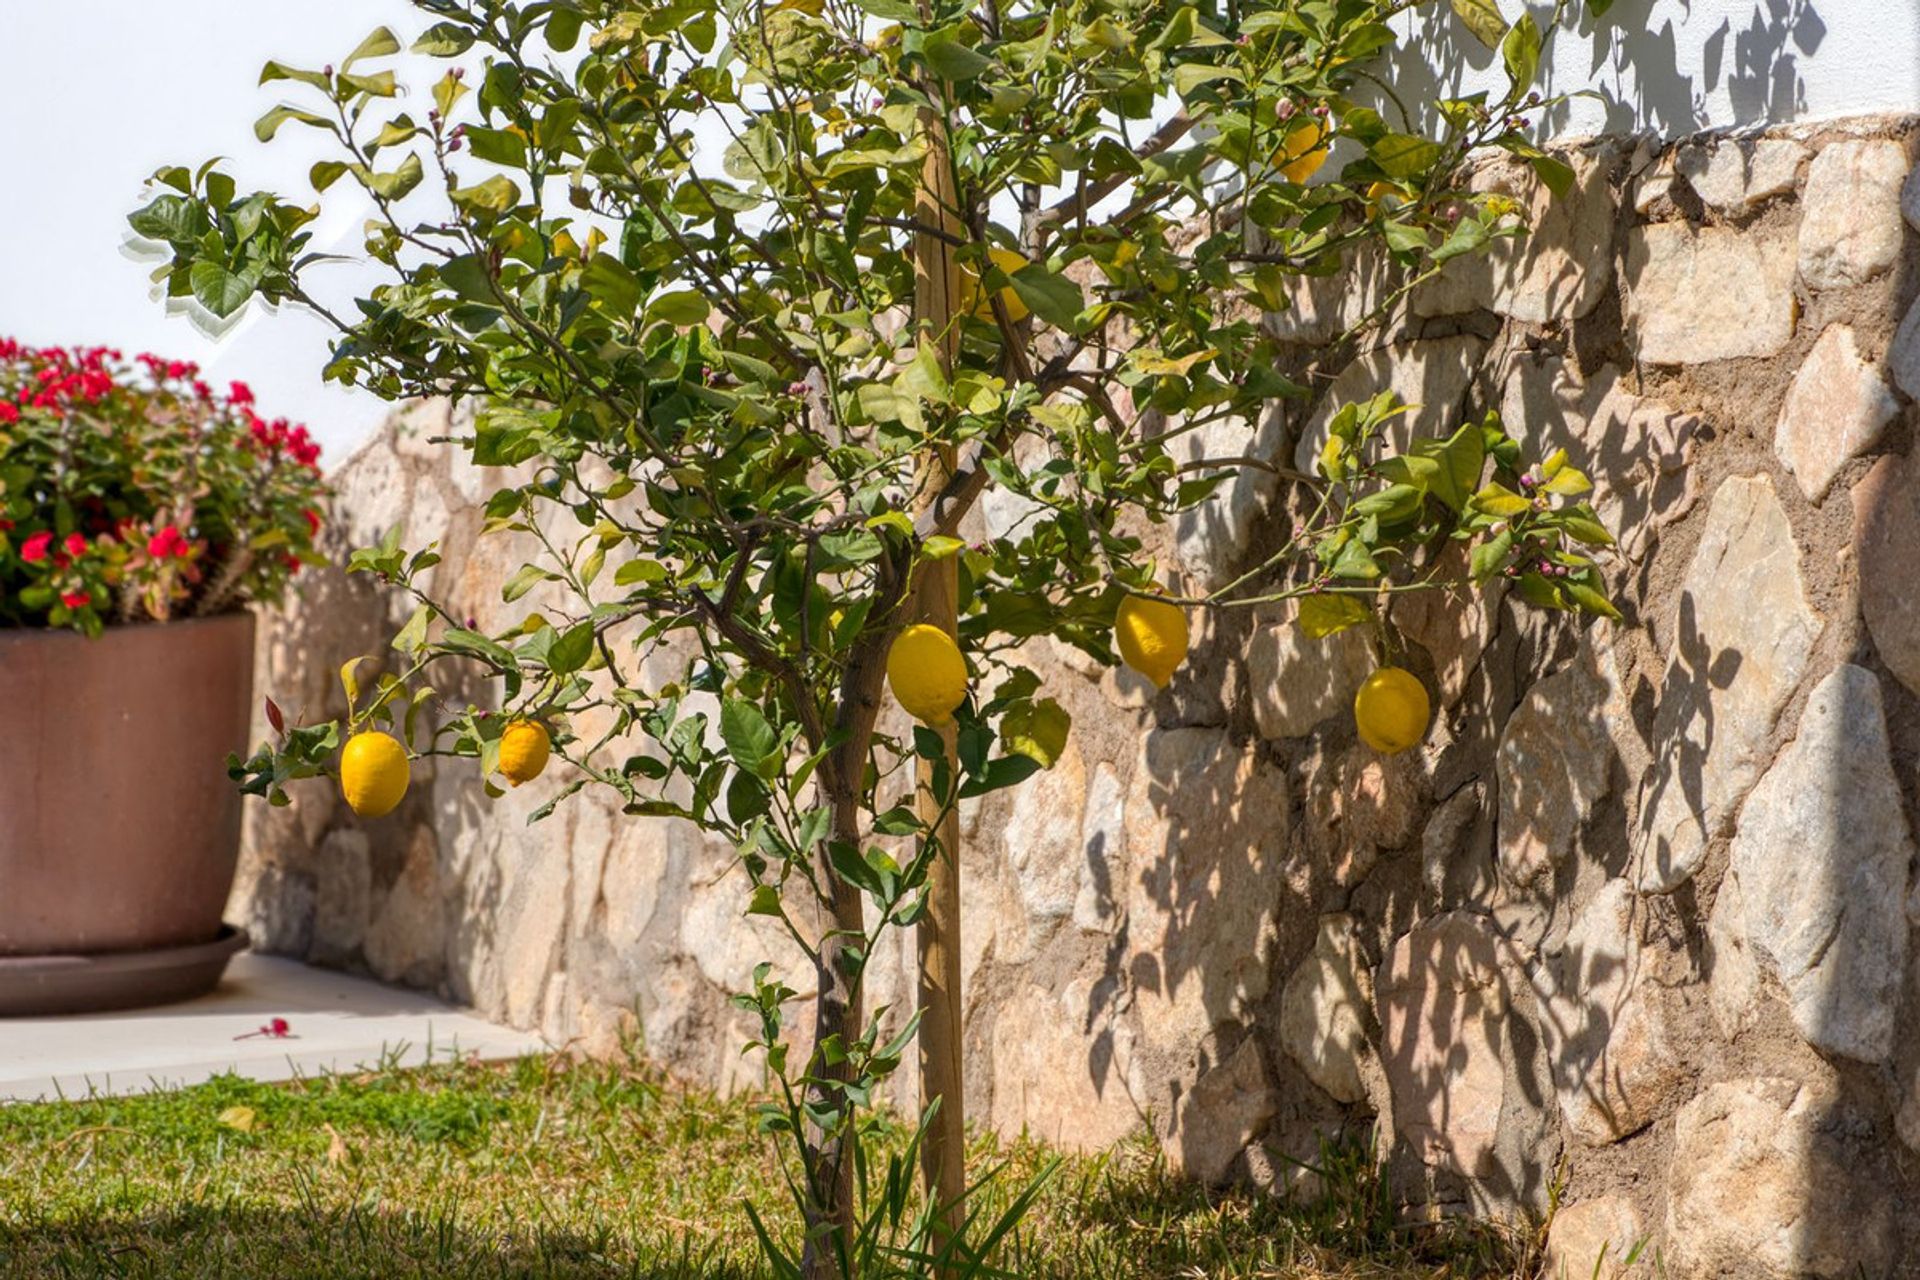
{"points": [[119, 828]]}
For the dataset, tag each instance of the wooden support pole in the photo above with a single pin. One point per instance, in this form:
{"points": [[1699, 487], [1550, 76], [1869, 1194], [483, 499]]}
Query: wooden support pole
{"points": [[936, 600]]}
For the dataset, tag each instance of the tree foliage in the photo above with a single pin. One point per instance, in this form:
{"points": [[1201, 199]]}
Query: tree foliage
{"points": [[667, 248]]}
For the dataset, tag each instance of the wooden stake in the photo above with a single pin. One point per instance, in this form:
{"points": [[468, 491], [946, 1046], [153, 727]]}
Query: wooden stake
{"points": [[936, 599]]}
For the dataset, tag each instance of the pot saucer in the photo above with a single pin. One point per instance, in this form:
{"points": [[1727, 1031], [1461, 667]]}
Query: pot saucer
{"points": [[39, 986]]}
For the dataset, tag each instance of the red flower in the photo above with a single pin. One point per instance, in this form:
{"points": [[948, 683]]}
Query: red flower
{"points": [[240, 393], [313, 521], [8, 413], [34, 549], [76, 544], [75, 599], [168, 542]]}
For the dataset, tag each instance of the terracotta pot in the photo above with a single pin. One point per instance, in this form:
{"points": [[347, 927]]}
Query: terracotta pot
{"points": [[119, 827]]}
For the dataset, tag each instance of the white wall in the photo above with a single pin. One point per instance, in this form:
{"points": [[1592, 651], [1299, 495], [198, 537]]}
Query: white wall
{"points": [[96, 94]]}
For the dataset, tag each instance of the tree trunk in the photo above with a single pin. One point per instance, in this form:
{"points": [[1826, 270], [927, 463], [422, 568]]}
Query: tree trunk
{"points": [[837, 1011], [936, 594]]}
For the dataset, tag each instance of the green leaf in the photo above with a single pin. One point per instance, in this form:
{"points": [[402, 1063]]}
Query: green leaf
{"points": [[1520, 51], [525, 579], [1490, 557], [571, 651], [397, 183], [349, 683], [1053, 298], [765, 901], [609, 283], [379, 43], [218, 289], [1589, 598], [1404, 155], [281, 71], [1556, 174], [1037, 729], [1500, 502], [1007, 771], [950, 59], [1566, 481], [493, 196], [1329, 613], [269, 124], [325, 173], [682, 308], [639, 571], [750, 740], [1482, 18], [1582, 527], [444, 40]]}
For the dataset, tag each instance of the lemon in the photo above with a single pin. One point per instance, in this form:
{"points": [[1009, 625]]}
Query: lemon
{"points": [[1379, 195], [524, 748], [926, 673], [1008, 261], [373, 773], [1391, 710], [1152, 636], [1302, 150]]}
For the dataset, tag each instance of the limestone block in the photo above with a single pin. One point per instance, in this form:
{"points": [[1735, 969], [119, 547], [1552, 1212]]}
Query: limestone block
{"points": [[1297, 682], [1326, 1010], [1886, 529], [1444, 1001], [1616, 1059], [1223, 1112], [1213, 536], [1696, 294], [1554, 764], [1059, 1068], [1733, 175], [1769, 1182], [1207, 840], [1743, 633], [1850, 228], [1834, 412], [1593, 1239], [1821, 858]]}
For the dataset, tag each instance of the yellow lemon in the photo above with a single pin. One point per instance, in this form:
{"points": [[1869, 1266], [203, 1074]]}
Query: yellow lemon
{"points": [[926, 673], [373, 773], [1391, 710], [524, 748], [1380, 193], [1152, 636], [1008, 261], [1302, 150]]}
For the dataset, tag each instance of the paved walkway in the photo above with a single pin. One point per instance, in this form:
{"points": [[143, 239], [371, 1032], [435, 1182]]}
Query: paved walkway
{"points": [[338, 1023]]}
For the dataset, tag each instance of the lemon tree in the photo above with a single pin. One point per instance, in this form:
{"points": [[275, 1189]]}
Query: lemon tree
{"points": [[755, 300]]}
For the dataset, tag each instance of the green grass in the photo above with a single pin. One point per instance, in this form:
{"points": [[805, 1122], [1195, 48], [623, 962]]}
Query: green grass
{"points": [[544, 1168]]}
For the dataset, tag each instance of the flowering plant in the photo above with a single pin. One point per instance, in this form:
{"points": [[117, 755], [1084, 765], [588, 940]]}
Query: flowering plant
{"points": [[136, 492]]}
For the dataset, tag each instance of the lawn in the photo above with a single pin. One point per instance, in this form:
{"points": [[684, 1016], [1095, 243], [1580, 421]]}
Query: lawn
{"points": [[545, 1168]]}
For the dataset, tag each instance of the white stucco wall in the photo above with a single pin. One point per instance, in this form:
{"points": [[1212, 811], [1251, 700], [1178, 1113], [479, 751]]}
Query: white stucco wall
{"points": [[95, 94]]}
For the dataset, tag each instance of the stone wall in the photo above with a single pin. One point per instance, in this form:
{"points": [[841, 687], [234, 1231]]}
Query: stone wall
{"points": [[1633, 923]]}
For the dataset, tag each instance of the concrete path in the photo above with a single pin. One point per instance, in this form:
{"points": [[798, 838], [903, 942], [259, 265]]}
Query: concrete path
{"points": [[338, 1023]]}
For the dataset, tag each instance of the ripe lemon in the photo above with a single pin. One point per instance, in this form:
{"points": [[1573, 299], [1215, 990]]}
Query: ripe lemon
{"points": [[1391, 710], [1302, 150], [926, 673], [1152, 636], [1008, 261], [524, 748], [373, 773]]}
